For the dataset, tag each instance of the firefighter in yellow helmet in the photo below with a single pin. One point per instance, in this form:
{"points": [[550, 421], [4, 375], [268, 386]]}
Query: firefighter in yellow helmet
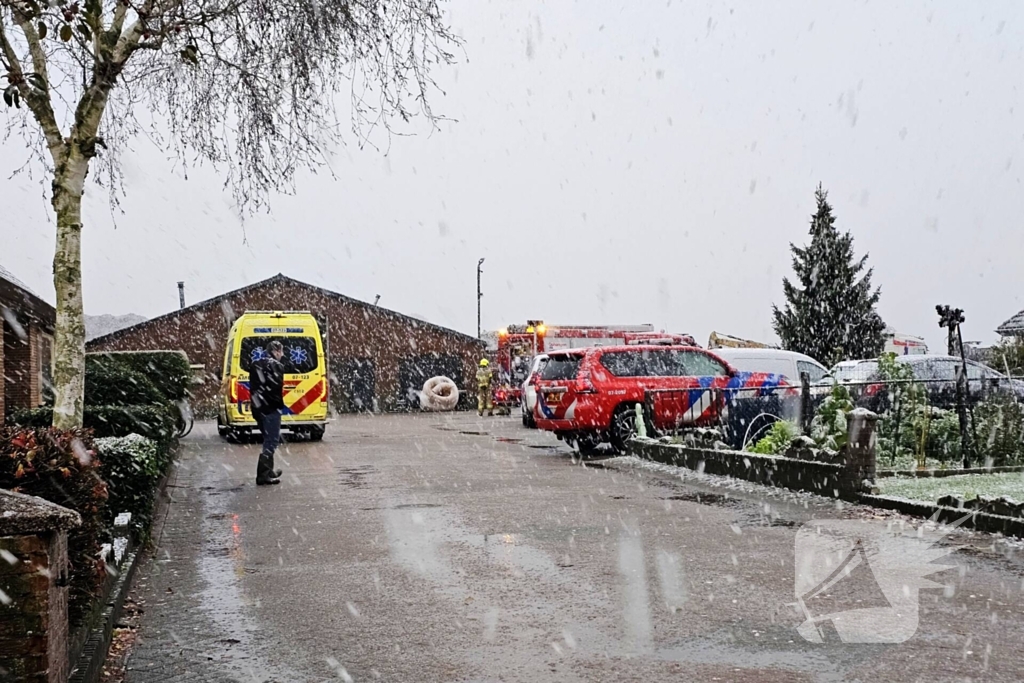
{"points": [[484, 378]]}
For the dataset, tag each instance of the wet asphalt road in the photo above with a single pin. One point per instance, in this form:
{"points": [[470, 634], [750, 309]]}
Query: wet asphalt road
{"points": [[452, 548]]}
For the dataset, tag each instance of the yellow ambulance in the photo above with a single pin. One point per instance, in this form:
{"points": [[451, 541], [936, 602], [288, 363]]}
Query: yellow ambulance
{"points": [[305, 379]]}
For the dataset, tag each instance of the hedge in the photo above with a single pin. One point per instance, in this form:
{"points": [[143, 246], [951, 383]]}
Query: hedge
{"points": [[132, 466], [59, 466], [112, 384], [153, 422], [169, 371]]}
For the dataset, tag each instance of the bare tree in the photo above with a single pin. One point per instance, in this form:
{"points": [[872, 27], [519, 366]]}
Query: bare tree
{"points": [[249, 85]]}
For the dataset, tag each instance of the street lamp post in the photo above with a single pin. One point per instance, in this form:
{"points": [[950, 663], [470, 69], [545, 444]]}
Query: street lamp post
{"points": [[479, 296]]}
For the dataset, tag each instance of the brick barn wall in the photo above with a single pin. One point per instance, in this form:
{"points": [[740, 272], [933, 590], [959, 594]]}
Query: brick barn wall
{"points": [[358, 333]]}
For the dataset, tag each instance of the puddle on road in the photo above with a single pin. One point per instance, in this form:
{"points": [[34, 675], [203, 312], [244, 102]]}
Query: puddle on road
{"points": [[716, 499], [353, 477]]}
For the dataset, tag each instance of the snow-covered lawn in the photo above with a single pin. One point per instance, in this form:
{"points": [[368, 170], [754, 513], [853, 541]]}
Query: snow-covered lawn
{"points": [[967, 485]]}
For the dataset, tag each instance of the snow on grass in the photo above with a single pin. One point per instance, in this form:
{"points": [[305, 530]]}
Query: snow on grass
{"points": [[968, 486]]}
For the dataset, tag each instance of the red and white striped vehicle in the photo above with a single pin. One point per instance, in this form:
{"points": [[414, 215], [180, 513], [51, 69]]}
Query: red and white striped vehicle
{"points": [[589, 396]]}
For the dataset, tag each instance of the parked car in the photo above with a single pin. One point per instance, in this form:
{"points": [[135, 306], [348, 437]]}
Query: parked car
{"points": [[529, 402], [848, 371], [589, 396], [789, 364], [938, 377]]}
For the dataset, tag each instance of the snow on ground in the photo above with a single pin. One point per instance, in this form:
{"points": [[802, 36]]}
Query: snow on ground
{"points": [[930, 489]]}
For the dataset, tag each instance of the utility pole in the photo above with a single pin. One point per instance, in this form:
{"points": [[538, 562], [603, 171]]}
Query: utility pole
{"points": [[181, 294], [479, 296]]}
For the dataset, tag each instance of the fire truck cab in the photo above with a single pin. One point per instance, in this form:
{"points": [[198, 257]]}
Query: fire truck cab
{"points": [[518, 344]]}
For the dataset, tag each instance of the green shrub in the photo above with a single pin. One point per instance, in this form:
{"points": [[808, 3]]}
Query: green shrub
{"points": [[1007, 355], [943, 442], [169, 371], [828, 427], [153, 422], [112, 384], [59, 466], [777, 440], [132, 466], [1000, 428]]}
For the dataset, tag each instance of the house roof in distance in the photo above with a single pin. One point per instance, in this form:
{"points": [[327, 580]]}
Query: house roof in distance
{"points": [[1012, 327], [16, 296]]}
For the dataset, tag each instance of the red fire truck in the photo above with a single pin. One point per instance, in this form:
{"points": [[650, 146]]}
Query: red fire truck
{"points": [[518, 344]]}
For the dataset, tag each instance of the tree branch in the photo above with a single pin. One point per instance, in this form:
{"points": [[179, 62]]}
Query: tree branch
{"points": [[38, 101], [117, 23]]}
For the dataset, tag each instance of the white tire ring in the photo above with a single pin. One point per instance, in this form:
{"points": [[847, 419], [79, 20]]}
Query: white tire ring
{"points": [[439, 393]]}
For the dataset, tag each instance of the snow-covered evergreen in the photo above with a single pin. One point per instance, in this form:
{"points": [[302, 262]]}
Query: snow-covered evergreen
{"points": [[830, 309]]}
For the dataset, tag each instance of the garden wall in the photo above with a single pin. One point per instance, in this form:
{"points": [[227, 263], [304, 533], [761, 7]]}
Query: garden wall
{"points": [[826, 479], [850, 476]]}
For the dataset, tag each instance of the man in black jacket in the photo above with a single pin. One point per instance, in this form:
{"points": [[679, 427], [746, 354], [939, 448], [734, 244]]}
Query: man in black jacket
{"points": [[266, 396]]}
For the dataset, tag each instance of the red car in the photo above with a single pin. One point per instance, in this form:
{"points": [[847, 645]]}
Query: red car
{"points": [[589, 396]]}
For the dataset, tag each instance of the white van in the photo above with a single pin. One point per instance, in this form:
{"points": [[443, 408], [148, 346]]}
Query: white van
{"points": [[787, 363]]}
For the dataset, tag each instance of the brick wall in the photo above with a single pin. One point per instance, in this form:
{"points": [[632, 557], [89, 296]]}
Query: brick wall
{"points": [[3, 373], [33, 608], [22, 386], [358, 333]]}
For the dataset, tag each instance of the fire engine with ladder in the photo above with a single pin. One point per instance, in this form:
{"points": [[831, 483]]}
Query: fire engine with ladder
{"points": [[519, 344]]}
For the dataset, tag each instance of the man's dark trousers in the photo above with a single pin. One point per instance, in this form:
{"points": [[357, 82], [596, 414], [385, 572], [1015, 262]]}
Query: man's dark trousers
{"points": [[270, 428]]}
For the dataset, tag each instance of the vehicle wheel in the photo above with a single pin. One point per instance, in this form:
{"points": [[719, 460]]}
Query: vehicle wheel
{"points": [[623, 426], [232, 435], [528, 421], [316, 433]]}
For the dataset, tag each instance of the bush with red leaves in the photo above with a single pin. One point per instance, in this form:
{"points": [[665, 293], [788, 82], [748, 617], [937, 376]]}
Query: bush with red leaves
{"points": [[61, 466]]}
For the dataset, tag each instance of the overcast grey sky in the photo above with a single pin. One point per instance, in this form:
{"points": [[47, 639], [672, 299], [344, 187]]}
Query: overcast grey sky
{"points": [[621, 163]]}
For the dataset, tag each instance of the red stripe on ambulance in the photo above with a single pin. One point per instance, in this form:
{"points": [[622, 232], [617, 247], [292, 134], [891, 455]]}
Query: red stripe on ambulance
{"points": [[310, 396]]}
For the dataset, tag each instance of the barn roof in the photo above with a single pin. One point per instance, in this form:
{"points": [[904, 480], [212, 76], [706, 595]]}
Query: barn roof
{"points": [[280, 278]]}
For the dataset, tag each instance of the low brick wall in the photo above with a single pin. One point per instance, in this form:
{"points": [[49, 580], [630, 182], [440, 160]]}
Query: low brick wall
{"points": [[33, 588], [983, 521], [826, 479]]}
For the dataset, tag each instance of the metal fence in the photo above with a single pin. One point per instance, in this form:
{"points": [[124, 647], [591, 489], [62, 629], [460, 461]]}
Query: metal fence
{"points": [[741, 413], [921, 409]]}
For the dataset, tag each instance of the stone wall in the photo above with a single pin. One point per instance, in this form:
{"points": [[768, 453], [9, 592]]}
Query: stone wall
{"points": [[851, 475], [827, 479]]}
